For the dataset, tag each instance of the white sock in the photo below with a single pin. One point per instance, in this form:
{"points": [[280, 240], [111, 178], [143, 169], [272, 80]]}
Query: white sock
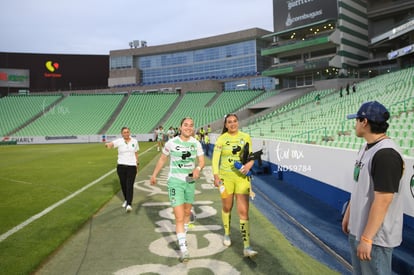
{"points": [[186, 228], [182, 242]]}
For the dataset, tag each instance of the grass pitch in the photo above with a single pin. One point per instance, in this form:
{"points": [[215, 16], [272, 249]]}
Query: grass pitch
{"points": [[34, 177]]}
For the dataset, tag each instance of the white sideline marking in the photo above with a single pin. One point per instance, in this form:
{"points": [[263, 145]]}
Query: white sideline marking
{"points": [[18, 181], [50, 208]]}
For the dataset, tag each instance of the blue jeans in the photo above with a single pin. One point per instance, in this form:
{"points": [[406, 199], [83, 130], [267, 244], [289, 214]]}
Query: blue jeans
{"points": [[380, 262]]}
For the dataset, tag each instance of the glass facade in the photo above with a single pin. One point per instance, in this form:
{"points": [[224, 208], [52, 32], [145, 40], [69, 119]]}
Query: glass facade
{"points": [[235, 60], [120, 62], [256, 83], [211, 63]]}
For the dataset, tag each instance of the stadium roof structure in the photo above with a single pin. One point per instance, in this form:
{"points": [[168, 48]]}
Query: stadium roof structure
{"points": [[209, 62], [223, 39], [395, 32]]}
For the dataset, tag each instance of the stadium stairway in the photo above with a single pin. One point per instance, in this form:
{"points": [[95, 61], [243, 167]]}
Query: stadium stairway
{"points": [[48, 103], [170, 110], [114, 115], [304, 220]]}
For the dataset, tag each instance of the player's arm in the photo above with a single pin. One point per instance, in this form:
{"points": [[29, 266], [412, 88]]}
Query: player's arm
{"points": [[345, 220], [377, 213], [109, 145], [215, 162], [376, 216], [200, 166], [161, 161]]}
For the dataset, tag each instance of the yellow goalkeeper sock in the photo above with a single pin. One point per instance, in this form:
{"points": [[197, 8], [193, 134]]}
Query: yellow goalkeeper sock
{"points": [[245, 232], [225, 217]]}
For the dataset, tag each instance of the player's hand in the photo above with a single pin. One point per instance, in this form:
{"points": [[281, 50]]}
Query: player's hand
{"points": [[216, 182], [196, 174], [245, 169], [153, 180], [364, 251]]}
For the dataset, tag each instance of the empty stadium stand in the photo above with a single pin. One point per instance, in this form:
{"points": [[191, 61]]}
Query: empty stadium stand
{"points": [[317, 117], [142, 112], [200, 107], [16, 110], [76, 115], [325, 123]]}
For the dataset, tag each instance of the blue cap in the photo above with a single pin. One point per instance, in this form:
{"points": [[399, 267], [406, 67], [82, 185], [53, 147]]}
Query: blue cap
{"points": [[373, 111]]}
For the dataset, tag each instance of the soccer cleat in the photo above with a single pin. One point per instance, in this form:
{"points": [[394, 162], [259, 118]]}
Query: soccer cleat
{"points": [[185, 257], [227, 240], [124, 204], [178, 244], [128, 208], [249, 252]]}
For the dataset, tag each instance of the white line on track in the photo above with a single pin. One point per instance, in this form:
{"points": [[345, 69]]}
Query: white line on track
{"points": [[52, 207]]}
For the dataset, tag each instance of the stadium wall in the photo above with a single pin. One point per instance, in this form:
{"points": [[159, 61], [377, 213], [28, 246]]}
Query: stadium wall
{"points": [[71, 139]]}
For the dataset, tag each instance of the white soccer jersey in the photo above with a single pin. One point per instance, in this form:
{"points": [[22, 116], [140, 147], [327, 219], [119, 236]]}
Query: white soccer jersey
{"points": [[182, 155]]}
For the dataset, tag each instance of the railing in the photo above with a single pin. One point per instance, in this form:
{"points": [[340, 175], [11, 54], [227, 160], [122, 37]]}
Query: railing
{"points": [[250, 131], [319, 113], [278, 122], [343, 126], [403, 102], [308, 134]]}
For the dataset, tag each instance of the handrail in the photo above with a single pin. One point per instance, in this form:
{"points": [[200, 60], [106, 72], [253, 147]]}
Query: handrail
{"points": [[277, 122], [308, 133], [311, 112], [343, 125], [404, 102], [250, 130]]}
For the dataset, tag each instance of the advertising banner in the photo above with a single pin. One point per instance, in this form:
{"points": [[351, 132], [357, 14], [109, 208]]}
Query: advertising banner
{"points": [[289, 14], [71, 139], [14, 78]]}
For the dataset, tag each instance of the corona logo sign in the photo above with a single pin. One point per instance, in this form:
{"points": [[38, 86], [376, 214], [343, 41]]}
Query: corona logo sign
{"points": [[52, 67]]}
